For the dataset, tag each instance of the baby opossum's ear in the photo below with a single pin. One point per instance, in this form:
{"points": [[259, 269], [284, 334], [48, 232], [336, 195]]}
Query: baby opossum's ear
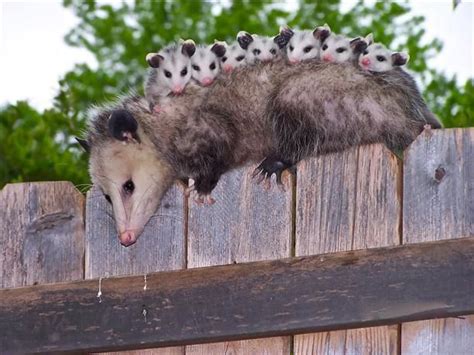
{"points": [[321, 33], [244, 39], [400, 58], [188, 47], [154, 59], [358, 45], [369, 39], [218, 49], [84, 144], [283, 37], [123, 126]]}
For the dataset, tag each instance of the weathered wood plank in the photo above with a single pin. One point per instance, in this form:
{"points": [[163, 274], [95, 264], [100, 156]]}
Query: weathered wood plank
{"points": [[161, 247], [267, 298], [41, 233], [246, 224], [345, 201], [438, 203]]}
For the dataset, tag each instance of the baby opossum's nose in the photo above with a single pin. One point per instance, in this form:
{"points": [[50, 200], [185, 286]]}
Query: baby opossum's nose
{"points": [[207, 81], [365, 62], [178, 90], [294, 61], [328, 58], [127, 238], [228, 68]]}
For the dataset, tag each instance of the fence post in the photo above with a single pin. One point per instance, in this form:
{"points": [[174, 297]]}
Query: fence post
{"points": [[438, 203], [161, 247], [246, 223], [41, 233], [345, 201]]}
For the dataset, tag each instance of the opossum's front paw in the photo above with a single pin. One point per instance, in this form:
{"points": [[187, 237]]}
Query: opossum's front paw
{"points": [[269, 166], [204, 199]]}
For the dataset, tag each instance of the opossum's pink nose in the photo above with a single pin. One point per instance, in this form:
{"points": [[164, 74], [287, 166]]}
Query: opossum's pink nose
{"points": [[328, 58], [365, 61], [294, 61], [178, 90], [228, 68], [127, 238], [207, 81]]}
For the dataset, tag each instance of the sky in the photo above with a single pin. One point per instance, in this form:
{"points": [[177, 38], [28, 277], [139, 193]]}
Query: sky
{"points": [[33, 54]]}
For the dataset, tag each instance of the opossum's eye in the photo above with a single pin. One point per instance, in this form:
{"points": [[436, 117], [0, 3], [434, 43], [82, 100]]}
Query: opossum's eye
{"points": [[128, 187], [240, 58], [256, 51], [196, 67], [224, 59], [307, 49], [107, 197], [167, 74], [341, 49], [184, 71], [365, 52], [212, 66], [291, 48], [381, 58], [273, 51], [325, 47]]}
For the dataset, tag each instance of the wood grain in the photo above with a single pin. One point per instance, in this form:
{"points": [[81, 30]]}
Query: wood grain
{"points": [[41, 233], [161, 246], [439, 204], [247, 223], [346, 201], [352, 289]]}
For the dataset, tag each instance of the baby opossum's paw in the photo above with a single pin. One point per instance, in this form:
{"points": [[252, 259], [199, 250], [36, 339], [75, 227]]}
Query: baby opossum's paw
{"points": [[269, 166], [156, 109]]}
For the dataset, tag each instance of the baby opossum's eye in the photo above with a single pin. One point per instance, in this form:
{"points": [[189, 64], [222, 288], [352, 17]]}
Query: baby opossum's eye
{"points": [[128, 187], [291, 48], [167, 74], [273, 51], [107, 197], [184, 71], [196, 67], [340, 49], [380, 58], [224, 59], [307, 49], [212, 66], [256, 51], [325, 47], [240, 58], [365, 52]]}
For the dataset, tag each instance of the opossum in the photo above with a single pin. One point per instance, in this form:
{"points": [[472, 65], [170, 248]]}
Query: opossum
{"points": [[377, 58], [301, 45], [205, 63], [170, 72], [260, 48], [234, 57], [273, 112], [340, 49]]}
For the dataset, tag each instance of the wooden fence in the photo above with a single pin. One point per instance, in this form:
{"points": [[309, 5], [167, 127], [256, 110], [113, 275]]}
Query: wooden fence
{"points": [[359, 199]]}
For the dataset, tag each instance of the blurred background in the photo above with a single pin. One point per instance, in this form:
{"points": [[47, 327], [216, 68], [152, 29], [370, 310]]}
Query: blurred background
{"points": [[57, 59]]}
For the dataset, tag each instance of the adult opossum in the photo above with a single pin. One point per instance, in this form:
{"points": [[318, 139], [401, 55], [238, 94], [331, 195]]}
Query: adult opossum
{"points": [[275, 111]]}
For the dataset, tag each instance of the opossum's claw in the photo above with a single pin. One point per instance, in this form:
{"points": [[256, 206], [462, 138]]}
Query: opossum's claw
{"points": [[268, 167], [204, 199]]}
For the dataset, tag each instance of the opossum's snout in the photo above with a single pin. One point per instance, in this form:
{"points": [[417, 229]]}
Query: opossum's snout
{"points": [[128, 238], [365, 62], [227, 68], [328, 58], [294, 61], [178, 90], [207, 81]]}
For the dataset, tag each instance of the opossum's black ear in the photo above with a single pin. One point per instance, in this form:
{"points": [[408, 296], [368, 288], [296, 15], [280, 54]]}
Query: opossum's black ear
{"points": [[244, 39], [283, 37], [123, 126], [400, 58], [321, 33], [358, 45], [84, 144], [188, 47], [218, 49], [154, 59]]}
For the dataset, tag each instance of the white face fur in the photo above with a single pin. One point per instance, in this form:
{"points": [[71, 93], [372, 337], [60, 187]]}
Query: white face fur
{"points": [[205, 65], [302, 46], [234, 57], [337, 49], [378, 58], [259, 48]]}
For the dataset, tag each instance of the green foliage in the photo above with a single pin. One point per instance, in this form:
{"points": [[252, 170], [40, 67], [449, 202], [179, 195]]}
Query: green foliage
{"points": [[39, 145]]}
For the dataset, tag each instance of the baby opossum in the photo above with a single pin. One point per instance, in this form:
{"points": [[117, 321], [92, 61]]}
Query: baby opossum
{"points": [[260, 48], [205, 63], [302, 45], [377, 58], [314, 108], [170, 71], [234, 57], [340, 49]]}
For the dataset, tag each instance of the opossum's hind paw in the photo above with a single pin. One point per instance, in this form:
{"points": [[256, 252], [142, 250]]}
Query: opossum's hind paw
{"points": [[270, 166], [204, 199]]}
